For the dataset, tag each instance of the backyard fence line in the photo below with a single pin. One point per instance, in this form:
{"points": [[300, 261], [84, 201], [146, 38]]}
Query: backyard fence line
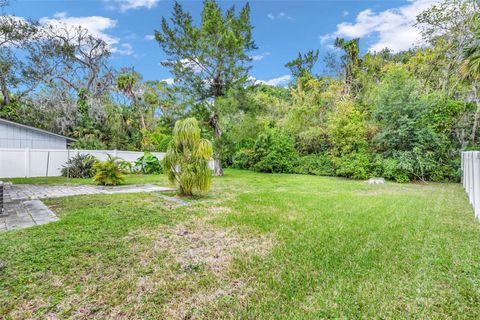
{"points": [[471, 178], [16, 163]]}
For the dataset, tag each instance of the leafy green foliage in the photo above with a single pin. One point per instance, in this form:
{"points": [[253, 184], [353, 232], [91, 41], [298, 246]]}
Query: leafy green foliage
{"points": [[315, 164], [79, 166], [109, 172], [274, 151], [187, 160], [355, 165], [148, 164], [243, 159], [89, 143]]}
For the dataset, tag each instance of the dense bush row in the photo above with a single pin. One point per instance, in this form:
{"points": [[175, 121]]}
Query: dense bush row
{"points": [[274, 152], [402, 134]]}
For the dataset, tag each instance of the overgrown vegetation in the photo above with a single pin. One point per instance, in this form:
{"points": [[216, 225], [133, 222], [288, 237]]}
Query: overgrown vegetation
{"points": [[401, 115]]}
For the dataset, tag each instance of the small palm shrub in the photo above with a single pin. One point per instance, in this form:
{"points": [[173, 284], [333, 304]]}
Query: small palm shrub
{"points": [[186, 161], [79, 166], [109, 172], [148, 164]]}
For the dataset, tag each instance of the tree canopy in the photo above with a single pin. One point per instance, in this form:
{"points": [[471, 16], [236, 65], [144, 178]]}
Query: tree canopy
{"points": [[401, 115]]}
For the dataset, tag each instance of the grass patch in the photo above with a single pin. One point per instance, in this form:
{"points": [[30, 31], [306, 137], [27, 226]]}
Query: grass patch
{"points": [[129, 179], [258, 246]]}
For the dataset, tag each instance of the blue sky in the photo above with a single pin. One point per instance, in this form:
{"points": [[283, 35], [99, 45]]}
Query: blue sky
{"points": [[281, 28]]}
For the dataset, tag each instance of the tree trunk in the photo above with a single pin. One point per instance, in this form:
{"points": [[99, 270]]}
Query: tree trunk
{"points": [[142, 121], [5, 93], [217, 152], [476, 117], [217, 167]]}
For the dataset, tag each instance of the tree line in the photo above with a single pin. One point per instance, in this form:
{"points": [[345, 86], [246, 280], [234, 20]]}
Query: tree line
{"points": [[401, 115]]}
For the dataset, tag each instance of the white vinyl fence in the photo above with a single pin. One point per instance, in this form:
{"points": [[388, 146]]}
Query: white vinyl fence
{"points": [[15, 163], [471, 178]]}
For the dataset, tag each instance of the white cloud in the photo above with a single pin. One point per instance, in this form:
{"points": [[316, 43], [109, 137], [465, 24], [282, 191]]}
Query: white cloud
{"points": [[124, 48], [393, 28], [97, 26], [345, 13], [191, 64], [169, 81], [125, 5], [281, 15], [150, 37], [260, 56], [280, 81]]}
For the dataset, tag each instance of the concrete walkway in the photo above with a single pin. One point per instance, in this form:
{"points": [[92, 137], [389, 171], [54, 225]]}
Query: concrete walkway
{"points": [[23, 208]]}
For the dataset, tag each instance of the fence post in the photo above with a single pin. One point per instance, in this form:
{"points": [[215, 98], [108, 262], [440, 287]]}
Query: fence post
{"points": [[465, 172], [48, 162], [476, 184], [27, 162], [470, 177]]}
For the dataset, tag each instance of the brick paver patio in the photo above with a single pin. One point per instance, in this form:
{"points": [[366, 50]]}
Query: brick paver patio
{"points": [[23, 207]]}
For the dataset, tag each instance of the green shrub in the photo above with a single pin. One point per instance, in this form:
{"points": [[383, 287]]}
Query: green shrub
{"points": [[79, 166], [274, 151], [315, 164], [164, 142], [89, 143], [243, 159], [148, 164], [355, 165], [450, 170], [108, 172], [393, 171]]}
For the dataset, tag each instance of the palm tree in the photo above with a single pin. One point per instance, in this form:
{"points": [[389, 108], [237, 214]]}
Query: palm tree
{"points": [[127, 83], [187, 158], [471, 55], [471, 70]]}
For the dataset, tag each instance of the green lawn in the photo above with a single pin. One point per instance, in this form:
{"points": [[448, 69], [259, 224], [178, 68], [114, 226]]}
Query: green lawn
{"points": [[259, 246]]}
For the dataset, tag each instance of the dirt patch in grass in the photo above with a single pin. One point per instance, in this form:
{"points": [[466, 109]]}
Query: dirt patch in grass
{"points": [[204, 244], [185, 271], [201, 256], [218, 210]]}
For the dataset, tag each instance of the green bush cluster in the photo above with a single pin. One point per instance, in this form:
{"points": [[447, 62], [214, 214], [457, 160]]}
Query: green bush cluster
{"points": [[273, 152], [79, 166], [109, 172], [148, 164], [315, 164]]}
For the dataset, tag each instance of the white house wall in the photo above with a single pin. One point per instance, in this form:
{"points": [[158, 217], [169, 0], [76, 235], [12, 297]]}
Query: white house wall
{"points": [[13, 136]]}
